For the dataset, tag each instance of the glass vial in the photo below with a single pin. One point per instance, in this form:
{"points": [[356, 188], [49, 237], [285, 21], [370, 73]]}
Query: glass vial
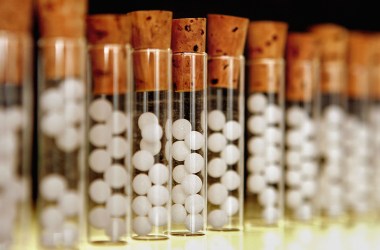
{"points": [[15, 138], [265, 128], [301, 138], [152, 111], [108, 128], [225, 120], [332, 40]]}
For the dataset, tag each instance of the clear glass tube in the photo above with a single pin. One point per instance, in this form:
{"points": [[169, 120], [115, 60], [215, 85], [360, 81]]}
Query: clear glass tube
{"points": [[16, 107], [61, 116], [189, 152], [265, 130], [225, 143], [108, 144], [151, 147]]}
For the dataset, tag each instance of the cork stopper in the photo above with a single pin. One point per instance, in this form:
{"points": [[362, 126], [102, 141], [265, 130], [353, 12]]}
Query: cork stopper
{"points": [[16, 15], [375, 67], [301, 66], [189, 35]]}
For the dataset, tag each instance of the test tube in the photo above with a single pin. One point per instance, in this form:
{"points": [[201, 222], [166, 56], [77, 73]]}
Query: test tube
{"points": [[152, 111], [332, 44], [301, 117], [15, 124], [108, 125], [188, 134], [265, 104], [225, 119], [61, 115]]}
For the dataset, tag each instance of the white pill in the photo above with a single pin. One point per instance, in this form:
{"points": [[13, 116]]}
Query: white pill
{"points": [[194, 163], [141, 184], [178, 214], [294, 138], [194, 140], [334, 114], [99, 191], [216, 142], [217, 193], [158, 216], [191, 184], [256, 146], [272, 154], [256, 124], [178, 195], [194, 204], [304, 212], [217, 218], [70, 234], [116, 205], [216, 167], [52, 218], [141, 226], [272, 174], [116, 176], [68, 140], [158, 195], [270, 215], [73, 112], [308, 188], [293, 158], [257, 103], [142, 160], [99, 160], [100, 135], [230, 205], [152, 133], [293, 178], [51, 99], [194, 222], [69, 203], [268, 196], [9, 144], [141, 205], [100, 110], [273, 135], [309, 150], [116, 229], [159, 174], [273, 114], [154, 148], [52, 187], [232, 130], [99, 217], [52, 124], [230, 154], [231, 180], [168, 129], [256, 183], [179, 172], [180, 151], [216, 120], [72, 88], [181, 128], [293, 198], [308, 128], [256, 164], [146, 119], [118, 122], [295, 116], [118, 147]]}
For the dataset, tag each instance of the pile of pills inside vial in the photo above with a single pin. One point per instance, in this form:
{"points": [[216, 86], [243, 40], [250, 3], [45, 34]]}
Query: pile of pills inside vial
{"points": [[264, 147], [150, 179], [223, 163], [188, 201], [301, 161], [108, 162]]}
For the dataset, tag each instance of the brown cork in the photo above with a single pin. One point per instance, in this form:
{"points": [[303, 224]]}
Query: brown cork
{"points": [[375, 67], [16, 15], [301, 66], [189, 35]]}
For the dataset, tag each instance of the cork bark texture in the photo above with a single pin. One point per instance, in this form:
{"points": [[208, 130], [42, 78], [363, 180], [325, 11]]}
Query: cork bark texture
{"points": [[16, 15], [375, 67]]}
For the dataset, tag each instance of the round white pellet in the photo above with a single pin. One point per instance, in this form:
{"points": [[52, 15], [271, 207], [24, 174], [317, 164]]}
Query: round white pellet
{"points": [[118, 147], [116, 205], [153, 148], [256, 183], [194, 140], [141, 184], [309, 150], [294, 138], [304, 212], [159, 174], [181, 128], [216, 167], [273, 135], [99, 217], [72, 89], [68, 140], [179, 173], [272, 174], [273, 114], [178, 214], [52, 124], [116, 176], [232, 130], [141, 205], [68, 203], [293, 198], [152, 133], [116, 229], [231, 180], [194, 222], [178, 195], [142, 160], [217, 193], [118, 122], [230, 154], [70, 234], [270, 215], [168, 129], [52, 187], [295, 116], [191, 184], [257, 103], [180, 151], [272, 154], [194, 204], [217, 218], [216, 120], [216, 142], [72, 112], [334, 114], [100, 110], [293, 158], [141, 226], [8, 147], [293, 178], [256, 146], [256, 124], [99, 191], [146, 119], [158, 216], [99, 160], [230, 205], [256, 164], [268, 196], [52, 218], [158, 195], [308, 188], [194, 163], [308, 128], [51, 100], [99, 135]]}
